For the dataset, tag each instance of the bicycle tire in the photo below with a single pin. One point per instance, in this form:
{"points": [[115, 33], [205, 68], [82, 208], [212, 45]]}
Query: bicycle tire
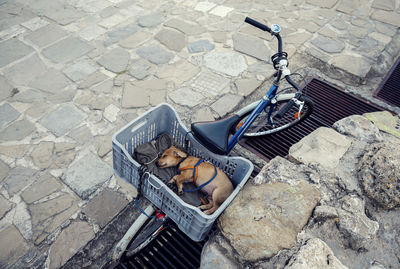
{"points": [[261, 126]]}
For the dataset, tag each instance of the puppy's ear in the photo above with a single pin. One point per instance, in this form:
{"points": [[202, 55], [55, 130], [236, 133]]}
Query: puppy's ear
{"points": [[179, 153]]}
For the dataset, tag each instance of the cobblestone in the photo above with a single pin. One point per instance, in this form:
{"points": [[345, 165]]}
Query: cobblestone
{"points": [[172, 39], [74, 72], [116, 60], [155, 54], [7, 114], [62, 119], [86, 174], [17, 130], [22, 73], [46, 35], [225, 62], [12, 50], [67, 50]]}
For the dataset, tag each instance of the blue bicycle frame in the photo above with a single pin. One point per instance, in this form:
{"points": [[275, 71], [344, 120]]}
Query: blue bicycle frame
{"points": [[253, 116]]}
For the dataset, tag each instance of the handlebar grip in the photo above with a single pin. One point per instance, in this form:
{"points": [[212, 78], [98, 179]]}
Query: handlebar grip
{"points": [[257, 24], [285, 109]]}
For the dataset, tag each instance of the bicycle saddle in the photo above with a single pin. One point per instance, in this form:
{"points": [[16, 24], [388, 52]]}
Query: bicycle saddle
{"points": [[214, 134]]}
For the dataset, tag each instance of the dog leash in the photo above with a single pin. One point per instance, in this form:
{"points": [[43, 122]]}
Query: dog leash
{"points": [[195, 173]]}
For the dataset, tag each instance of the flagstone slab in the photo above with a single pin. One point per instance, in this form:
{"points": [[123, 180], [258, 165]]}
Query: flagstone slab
{"points": [[16, 246], [12, 50], [46, 35], [67, 50], [22, 73], [7, 114], [63, 119], [86, 174], [17, 130]]}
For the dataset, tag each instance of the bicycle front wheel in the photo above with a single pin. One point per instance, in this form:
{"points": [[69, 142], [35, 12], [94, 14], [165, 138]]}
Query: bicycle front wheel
{"points": [[262, 125]]}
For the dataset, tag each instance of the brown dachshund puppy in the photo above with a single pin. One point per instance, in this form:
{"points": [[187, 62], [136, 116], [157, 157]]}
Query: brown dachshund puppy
{"points": [[218, 189]]}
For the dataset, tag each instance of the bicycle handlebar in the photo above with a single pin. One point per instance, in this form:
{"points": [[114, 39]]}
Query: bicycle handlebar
{"points": [[267, 29], [257, 24]]}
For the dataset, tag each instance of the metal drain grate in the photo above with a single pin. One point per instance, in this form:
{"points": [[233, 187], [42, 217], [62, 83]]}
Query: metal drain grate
{"points": [[330, 105], [389, 90], [171, 249]]}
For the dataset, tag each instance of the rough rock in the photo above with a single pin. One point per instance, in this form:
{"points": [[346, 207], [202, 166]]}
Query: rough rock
{"points": [[358, 127], [102, 208], [86, 174], [69, 242], [385, 121], [353, 222], [315, 254], [324, 212], [282, 170], [273, 215], [228, 63], [379, 173], [215, 256], [172, 39], [323, 146]]}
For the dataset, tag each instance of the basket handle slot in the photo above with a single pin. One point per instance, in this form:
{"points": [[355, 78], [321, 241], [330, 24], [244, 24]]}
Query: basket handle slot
{"points": [[138, 125], [148, 180]]}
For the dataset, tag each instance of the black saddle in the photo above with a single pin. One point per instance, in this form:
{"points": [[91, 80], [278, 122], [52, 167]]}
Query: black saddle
{"points": [[214, 134]]}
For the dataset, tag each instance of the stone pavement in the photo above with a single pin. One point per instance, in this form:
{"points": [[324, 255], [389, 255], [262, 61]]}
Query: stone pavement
{"points": [[73, 72]]}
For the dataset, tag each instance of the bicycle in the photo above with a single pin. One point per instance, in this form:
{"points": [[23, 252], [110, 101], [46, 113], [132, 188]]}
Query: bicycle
{"points": [[275, 112]]}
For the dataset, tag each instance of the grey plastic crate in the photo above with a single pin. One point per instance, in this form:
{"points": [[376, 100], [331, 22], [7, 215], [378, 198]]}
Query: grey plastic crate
{"points": [[164, 119]]}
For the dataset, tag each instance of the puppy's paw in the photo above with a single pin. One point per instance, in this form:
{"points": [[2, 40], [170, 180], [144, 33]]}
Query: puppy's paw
{"points": [[172, 186], [180, 192]]}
